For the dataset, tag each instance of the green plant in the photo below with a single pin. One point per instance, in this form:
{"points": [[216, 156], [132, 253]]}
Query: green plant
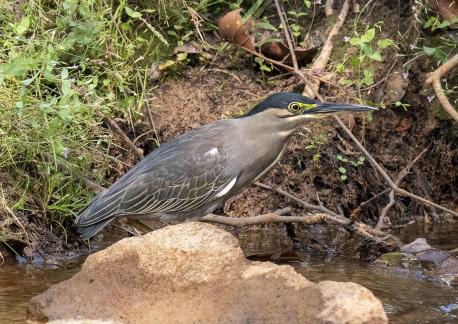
{"points": [[64, 65], [435, 23], [369, 48], [355, 163], [401, 105]]}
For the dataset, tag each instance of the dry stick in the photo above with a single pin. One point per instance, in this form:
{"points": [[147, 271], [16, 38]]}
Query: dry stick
{"points": [[301, 202], [114, 126], [262, 219], [325, 53], [391, 202], [435, 79], [289, 41]]}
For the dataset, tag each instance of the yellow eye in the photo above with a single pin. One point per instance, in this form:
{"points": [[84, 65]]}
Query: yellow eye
{"points": [[294, 107]]}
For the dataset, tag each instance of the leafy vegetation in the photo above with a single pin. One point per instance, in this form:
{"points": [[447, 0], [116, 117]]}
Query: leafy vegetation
{"points": [[64, 65]]}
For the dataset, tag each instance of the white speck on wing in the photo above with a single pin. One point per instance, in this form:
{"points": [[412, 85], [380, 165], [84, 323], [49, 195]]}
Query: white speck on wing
{"points": [[212, 152], [227, 188]]}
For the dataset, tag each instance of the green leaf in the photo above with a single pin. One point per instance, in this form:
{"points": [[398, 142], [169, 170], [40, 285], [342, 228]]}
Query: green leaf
{"points": [[182, 56], [342, 170], [23, 25], [166, 65], [132, 13], [264, 67], [66, 87], [368, 76], [18, 67], [376, 56], [64, 74], [384, 43], [266, 25], [429, 50], [368, 35], [355, 41], [441, 55], [362, 159], [343, 177], [367, 49], [340, 68], [429, 22]]}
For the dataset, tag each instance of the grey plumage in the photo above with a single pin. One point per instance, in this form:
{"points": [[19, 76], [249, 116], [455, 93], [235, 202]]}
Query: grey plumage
{"points": [[196, 172]]}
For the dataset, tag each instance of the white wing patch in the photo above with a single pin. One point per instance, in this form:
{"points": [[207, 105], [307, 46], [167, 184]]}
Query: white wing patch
{"points": [[212, 152], [227, 188]]}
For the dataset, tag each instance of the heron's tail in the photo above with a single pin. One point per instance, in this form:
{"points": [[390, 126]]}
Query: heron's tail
{"points": [[87, 232], [99, 213]]}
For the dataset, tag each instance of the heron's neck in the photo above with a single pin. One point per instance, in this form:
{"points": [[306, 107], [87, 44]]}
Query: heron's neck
{"points": [[278, 130]]}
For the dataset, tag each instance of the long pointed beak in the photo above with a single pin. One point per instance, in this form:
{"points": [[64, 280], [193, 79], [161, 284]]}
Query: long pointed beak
{"points": [[333, 108]]}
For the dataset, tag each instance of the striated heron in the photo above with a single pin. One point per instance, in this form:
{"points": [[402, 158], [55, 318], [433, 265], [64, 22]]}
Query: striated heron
{"points": [[195, 173]]}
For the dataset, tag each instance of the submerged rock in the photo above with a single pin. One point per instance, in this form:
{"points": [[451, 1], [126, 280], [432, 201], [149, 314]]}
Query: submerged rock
{"points": [[197, 273], [419, 255]]}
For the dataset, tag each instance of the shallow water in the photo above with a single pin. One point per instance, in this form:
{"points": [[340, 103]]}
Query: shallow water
{"points": [[406, 299], [18, 283]]}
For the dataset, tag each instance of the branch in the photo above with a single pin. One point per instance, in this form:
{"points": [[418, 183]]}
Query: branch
{"points": [[322, 60], [401, 176], [435, 79], [301, 202], [281, 14], [114, 126], [277, 217]]}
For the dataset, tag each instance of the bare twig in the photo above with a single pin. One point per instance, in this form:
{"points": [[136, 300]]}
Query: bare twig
{"points": [[301, 202], [322, 60], [281, 14], [263, 219], [401, 175], [114, 126], [93, 185], [435, 79]]}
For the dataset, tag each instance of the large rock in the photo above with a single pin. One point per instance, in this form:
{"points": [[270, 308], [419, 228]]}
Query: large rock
{"points": [[197, 273]]}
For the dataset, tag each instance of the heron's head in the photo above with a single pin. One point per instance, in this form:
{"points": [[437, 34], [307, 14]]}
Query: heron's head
{"points": [[294, 106]]}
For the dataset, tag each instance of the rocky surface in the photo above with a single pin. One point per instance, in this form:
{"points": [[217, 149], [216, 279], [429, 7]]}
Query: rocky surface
{"points": [[197, 273], [422, 257]]}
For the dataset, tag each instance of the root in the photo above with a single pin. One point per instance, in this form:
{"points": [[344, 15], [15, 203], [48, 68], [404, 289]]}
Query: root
{"points": [[435, 79]]}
